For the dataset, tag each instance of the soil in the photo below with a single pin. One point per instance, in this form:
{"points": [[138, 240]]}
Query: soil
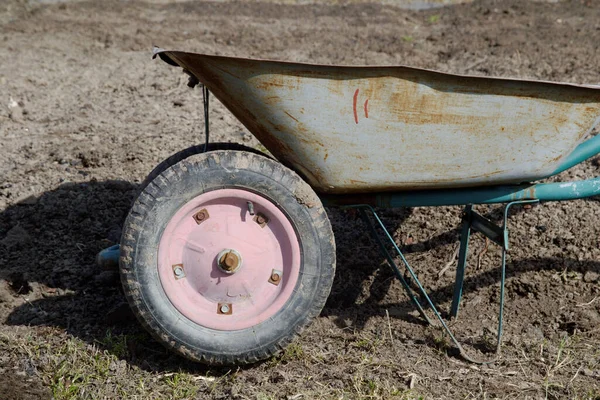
{"points": [[85, 114]]}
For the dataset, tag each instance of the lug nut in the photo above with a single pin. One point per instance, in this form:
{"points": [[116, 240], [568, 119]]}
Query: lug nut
{"points": [[224, 308], [275, 277], [201, 216], [178, 271], [261, 219]]}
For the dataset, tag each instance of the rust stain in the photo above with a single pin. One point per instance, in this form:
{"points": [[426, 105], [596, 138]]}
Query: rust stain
{"points": [[356, 182], [326, 155], [367, 108], [291, 116], [555, 160], [275, 82]]}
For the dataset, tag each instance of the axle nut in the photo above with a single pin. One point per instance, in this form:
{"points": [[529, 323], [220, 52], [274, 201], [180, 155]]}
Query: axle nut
{"points": [[229, 261]]}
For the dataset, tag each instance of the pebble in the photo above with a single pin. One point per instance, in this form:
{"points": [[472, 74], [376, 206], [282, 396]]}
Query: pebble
{"points": [[591, 276]]}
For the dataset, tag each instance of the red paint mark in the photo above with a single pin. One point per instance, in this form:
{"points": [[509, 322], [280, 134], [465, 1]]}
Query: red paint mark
{"points": [[367, 108], [354, 106]]}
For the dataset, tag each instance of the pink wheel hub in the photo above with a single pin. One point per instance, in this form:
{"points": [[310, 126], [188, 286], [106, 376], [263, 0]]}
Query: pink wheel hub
{"points": [[229, 259]]}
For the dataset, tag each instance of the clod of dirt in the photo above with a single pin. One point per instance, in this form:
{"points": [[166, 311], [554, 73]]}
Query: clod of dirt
{"points": [[15, 238], [591, 276], [19, 284], [5, 292], [90, 158], [580, 320]]}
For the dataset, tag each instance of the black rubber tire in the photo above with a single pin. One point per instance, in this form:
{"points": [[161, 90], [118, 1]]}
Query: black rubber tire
{"points": [[189, 152], [179, 184]]}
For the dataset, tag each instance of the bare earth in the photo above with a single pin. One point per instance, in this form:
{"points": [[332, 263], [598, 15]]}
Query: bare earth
{"points": [[85, 114]]}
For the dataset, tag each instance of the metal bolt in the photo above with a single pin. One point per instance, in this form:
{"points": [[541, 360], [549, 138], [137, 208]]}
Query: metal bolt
{"points": [[275, 277], [261, 219], [250, 207], [201, 216], [224, 308], [229, 261], [178, 271]]}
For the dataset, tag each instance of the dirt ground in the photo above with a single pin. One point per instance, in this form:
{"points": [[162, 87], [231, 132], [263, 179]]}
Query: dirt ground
{"points": [[85, 114]]}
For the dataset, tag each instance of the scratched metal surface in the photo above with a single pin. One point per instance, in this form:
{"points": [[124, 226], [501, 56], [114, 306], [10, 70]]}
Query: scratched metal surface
{"points": [[365, 129]]}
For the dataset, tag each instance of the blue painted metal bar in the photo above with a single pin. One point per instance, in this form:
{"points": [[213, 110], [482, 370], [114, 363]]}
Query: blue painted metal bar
{"points": [[478, 195], [462, 262], [585, 150], [108, 258]]}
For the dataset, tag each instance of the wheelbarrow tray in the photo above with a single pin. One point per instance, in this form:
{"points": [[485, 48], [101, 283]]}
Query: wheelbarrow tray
{"points": [[373, 129]]}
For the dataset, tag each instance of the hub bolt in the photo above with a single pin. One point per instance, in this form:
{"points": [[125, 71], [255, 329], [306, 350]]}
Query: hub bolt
{"points": [[229, 261]]}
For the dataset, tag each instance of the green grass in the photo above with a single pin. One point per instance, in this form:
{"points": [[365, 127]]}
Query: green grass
{"points": [[433, 18]]}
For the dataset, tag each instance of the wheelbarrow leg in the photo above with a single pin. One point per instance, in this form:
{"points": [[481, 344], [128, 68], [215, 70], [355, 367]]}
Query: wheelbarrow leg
{"points": [[392, 264], [462, 260], [475, 222]]}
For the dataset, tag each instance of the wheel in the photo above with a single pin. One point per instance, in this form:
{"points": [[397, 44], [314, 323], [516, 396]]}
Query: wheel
{"points": [[192, 151], [226, 257]]}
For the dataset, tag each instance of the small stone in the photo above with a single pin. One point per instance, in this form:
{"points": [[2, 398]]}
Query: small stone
{"points": [[19, 284], [15, 111], [591, 276], [590, 372]]}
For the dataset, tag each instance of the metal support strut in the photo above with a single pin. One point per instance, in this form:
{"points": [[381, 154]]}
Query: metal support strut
{"points": [[205, 98], [471, 221]]}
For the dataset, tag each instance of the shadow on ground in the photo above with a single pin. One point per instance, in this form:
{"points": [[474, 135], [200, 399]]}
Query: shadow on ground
{"points": [[49, 245]]}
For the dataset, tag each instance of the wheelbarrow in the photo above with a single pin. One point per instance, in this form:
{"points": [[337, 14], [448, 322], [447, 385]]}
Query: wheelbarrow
{"points": [[227, 254]]}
